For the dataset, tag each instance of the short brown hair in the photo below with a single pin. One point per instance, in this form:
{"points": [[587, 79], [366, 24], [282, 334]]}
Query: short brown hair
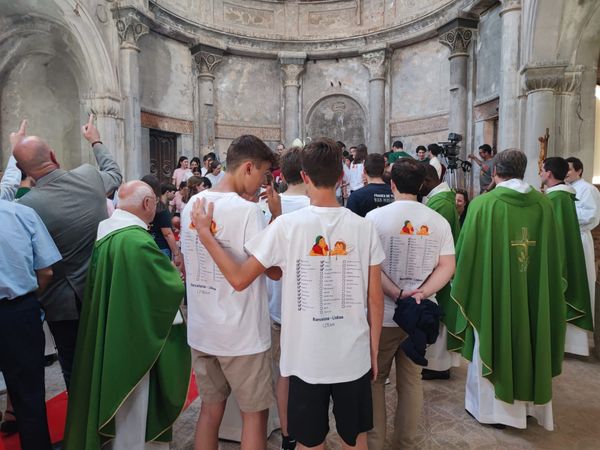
{"points": [[322, 162], [248, 147], [374, 165], [291, 165]]}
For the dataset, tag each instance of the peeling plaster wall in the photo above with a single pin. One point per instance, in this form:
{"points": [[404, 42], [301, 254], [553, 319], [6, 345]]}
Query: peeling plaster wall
{"points": [[419, 94], [166, 77], [42, 89], [488, 53]]}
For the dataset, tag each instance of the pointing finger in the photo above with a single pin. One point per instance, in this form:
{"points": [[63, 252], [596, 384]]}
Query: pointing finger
{"points": [[23, 127], [91, 120]]}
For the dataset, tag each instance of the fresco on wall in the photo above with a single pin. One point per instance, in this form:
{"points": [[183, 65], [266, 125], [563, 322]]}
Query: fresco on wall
{"points": [[338, 117]]}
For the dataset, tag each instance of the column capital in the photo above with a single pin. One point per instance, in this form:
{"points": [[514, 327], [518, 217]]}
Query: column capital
{"points": [[457, 35], [510, 5], [130, 28], [206, 59], [555, 76], [292, 65], [375, 60], [102, 105]]}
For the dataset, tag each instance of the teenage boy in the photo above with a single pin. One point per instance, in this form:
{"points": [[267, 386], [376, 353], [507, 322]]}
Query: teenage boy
{"points": [[419, 262], [328, 343], [376, 193], [228, 331]]}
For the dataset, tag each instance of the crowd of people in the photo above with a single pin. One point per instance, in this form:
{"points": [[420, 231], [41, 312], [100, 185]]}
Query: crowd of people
{"points": [[307, 273]]}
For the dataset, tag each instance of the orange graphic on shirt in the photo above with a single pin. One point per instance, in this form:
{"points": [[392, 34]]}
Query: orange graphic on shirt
{"points": [[213, 227], [407, 228], [423, 230], [320, 248], [339, 249]]}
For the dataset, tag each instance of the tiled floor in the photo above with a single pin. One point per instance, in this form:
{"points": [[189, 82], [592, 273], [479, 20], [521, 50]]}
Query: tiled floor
{"points": [[446, 425]]}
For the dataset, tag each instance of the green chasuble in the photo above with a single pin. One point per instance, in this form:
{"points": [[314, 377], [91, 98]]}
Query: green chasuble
{"points": [[444, 204], [577, 296], [509, 286], [126, 330]]}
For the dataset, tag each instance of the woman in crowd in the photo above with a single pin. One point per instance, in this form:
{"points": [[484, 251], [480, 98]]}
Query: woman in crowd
{"points": [[462, 203], [181, 170], [214, 173]]}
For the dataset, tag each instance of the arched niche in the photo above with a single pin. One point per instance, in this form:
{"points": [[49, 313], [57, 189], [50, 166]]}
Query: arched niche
{"points": [[54, 69], [338, 117]]}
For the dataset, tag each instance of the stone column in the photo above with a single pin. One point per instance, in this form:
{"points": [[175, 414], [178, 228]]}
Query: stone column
{"points": [[541, 83], [107, 110], [292, 65], [130, 29], [206, 58], [508, 120], [376, 62], [457, 36]]}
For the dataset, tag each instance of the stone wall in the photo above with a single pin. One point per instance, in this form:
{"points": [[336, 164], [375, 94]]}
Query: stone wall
{"points": [[487, 56], [247, 94], [419, 94]]}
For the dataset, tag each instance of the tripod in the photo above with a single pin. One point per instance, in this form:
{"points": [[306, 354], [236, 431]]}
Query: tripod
{"points": [[456, 167]]}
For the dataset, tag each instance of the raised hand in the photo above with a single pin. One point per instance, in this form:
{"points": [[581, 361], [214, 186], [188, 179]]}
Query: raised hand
{"points": [[90, 132], [16, 137], [273, 200], [202, 218]]}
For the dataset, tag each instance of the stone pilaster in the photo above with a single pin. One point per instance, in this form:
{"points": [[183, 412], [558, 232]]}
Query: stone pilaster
{"points": [[206, 59], [131, 28], [457, 35], [508, 120], [376, 62], [541, 82], [292, 66]]}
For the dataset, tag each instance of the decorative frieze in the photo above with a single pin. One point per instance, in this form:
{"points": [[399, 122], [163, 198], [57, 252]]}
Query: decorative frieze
{"points": [[157, 122], [225, 131], [422, 125]]}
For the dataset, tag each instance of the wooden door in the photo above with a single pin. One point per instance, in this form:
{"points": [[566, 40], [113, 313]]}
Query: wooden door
{"points": [[163, 154]]}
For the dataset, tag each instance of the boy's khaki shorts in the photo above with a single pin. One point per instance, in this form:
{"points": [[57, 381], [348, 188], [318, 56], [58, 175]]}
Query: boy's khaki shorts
{"points": [[276, 347], [249, 377]]}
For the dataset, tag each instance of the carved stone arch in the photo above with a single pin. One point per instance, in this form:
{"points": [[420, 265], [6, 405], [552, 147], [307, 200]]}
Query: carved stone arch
{"points": [[338, 116]]}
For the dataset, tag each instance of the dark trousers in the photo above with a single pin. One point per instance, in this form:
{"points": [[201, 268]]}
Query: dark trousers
{"points": [[64, 333], [22, 364]]}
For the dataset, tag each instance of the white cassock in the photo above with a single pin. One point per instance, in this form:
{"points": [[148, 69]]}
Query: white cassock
{"points": [[481, 401], [588, 215], [437, 355]]}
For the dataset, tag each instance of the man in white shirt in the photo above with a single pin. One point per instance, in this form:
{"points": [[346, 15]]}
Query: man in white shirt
{"points": [[229, 331], [588, 214], [419, 250], [435, 150]]}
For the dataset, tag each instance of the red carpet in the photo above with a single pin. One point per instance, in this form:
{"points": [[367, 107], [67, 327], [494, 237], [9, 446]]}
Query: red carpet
{"points": [[57, 416]]}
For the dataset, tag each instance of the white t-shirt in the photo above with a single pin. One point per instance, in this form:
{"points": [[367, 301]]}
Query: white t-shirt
{"points": [[354, 176], [324, 330], [221, 321], [289, 203], [214, 179], [413, 238]]}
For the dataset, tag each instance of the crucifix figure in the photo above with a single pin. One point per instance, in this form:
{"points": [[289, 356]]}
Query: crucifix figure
{"points": [[523, 249]]}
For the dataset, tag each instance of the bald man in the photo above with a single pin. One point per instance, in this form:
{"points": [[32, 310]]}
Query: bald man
{"points": [[132, 363], [71, 204]]}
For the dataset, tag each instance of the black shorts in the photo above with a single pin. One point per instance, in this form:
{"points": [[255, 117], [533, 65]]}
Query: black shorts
{"points": [[308, 410]]}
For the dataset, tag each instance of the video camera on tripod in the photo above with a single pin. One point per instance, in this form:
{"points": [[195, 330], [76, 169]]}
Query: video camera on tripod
{"points": [[451, 150]]}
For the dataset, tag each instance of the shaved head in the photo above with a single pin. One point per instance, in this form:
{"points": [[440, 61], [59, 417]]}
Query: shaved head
{"points": [[35, 157], [138, 198]]}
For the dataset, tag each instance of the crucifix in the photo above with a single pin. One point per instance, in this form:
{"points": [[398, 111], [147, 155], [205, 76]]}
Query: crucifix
{"points": [[523, 247]]}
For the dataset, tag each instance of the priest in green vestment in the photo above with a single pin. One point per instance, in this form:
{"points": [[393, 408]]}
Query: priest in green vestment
{"points": [[509, 285], [577, 296], [132, 363], [442, 355]]}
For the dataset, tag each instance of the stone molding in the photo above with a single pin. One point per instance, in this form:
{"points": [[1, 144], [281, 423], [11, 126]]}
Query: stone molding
{"points": [[227, 131], [164, 123], [103, 105], [486, 110], [558, 77], [376, 62], [421, 125], [510, 5], [458, 41], [130, 29]]}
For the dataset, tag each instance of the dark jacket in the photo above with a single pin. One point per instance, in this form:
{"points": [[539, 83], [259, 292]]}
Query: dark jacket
{"points": [[422, 324]]}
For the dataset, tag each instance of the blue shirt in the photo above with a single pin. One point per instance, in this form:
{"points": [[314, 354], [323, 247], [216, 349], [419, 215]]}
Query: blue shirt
{"points": [[25, 246]]}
